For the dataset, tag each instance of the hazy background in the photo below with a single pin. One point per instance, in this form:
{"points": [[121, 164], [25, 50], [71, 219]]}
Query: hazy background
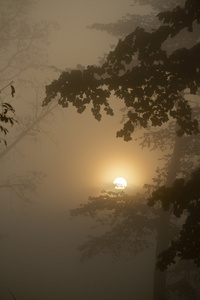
{"points": [[76, 156]]}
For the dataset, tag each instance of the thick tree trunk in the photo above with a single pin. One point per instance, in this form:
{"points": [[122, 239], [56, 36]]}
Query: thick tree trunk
{"points": [[163, 238]]}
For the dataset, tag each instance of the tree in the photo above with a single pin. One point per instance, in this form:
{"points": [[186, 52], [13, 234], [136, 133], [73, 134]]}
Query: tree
{"points": [[19, 38], [152, 89], [21, 50], [23, 58], [152, 77], [188, 146]]}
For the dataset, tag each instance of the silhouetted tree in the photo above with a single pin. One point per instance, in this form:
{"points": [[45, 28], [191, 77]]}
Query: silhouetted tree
{"points": [[152, 88], [151, 74]]}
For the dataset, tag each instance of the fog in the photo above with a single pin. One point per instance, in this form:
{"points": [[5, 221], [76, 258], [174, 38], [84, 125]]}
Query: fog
{"points": [[64, 159]]}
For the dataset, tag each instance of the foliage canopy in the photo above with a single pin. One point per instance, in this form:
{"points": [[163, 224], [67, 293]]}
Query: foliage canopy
{"points": [[144, 73]]}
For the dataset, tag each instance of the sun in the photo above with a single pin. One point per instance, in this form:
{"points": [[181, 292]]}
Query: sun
{"points": [[120, 183]]}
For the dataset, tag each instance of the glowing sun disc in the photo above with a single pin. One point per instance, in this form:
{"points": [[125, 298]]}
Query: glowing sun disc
{"points": [[120, 183]]}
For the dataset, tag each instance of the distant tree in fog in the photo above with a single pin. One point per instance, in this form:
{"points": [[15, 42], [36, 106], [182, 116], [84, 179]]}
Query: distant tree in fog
{"points": [[23, 57], [128, 23], [124, 217], [21, 40], [21, 50]]}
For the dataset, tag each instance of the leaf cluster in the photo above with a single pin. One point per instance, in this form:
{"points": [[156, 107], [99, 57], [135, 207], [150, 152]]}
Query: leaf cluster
{"points": [[5, 118], [80, 88]]}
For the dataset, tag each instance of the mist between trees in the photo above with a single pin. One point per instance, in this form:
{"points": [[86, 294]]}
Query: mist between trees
{"points": [[154, 71]]}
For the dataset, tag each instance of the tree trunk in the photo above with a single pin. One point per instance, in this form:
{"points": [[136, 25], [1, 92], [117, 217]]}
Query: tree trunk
{"points": [[163, 238]]}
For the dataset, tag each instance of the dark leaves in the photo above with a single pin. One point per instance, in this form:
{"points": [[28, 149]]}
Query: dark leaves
{"points": [[6, 117], [141, 73], [183, 198]]}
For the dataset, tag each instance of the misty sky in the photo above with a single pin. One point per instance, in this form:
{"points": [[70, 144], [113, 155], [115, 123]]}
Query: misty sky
{"points": [[79, 157], [74, 43]]}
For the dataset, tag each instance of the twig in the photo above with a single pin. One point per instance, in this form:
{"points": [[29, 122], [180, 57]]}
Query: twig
{"points": [[6, 86]]}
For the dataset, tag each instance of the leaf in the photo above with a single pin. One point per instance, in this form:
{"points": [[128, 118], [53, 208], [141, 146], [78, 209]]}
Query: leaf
{"points": [[12, 90]]}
